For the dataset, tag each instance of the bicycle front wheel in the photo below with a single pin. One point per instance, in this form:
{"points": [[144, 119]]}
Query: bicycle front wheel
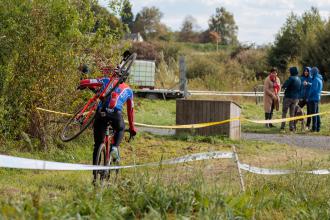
{"points": [[101, 160]]}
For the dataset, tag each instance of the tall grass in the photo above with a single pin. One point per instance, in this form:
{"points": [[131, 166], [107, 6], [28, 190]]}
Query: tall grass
{"points": [[147, 195]]}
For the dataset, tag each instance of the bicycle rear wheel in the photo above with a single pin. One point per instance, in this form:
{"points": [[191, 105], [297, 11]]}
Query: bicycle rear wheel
{"points": [[126, 67], [79, 122]]}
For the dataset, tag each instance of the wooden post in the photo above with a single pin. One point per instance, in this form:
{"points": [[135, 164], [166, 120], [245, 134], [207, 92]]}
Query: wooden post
{"points": [[183, 77], [239, 169]]}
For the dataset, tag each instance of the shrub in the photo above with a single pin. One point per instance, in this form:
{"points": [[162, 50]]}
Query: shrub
{"points": [[44, 41], [145, 51], [198, 66]]}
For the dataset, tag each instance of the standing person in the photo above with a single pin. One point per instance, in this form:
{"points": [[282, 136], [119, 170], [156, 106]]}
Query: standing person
{"points": [[314, 98], [291, 96], [304, 91], [271, 95]]}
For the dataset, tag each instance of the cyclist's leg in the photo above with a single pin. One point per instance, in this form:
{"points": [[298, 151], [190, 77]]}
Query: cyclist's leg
{"points": [[118, 124], [99, 128]]}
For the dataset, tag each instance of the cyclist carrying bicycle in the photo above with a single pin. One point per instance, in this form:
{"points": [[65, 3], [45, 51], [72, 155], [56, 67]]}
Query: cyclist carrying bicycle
{"points": [[110, 109]]}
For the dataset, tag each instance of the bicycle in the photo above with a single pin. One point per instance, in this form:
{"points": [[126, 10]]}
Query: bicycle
{"points": [[86, 114], [104, 158]]}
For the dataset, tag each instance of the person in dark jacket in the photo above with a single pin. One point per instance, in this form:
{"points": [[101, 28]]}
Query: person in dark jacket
{"points": [[304, 91], [291, 95], [314, 97]]}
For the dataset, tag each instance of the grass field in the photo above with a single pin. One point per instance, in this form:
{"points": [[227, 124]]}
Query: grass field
{"points": [[200, 190], [163, 113]]}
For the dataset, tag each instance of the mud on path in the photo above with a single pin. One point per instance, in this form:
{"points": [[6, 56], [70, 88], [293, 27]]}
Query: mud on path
{"points": [[311, 141]]}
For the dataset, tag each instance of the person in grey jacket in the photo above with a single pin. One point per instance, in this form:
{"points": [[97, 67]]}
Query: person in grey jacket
{"points": [[291, 95]]}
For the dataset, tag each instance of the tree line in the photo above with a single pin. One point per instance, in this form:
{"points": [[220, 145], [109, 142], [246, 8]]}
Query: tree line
{"points": [[222, 27], [302, 40]]}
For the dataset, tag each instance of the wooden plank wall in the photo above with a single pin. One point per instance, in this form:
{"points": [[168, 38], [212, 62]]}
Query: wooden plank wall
{"points": [[199, 111]]}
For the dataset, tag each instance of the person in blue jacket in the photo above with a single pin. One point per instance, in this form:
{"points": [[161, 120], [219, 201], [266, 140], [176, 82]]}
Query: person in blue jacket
{"points": [[304, 90], [314, 97], [291, 96]]}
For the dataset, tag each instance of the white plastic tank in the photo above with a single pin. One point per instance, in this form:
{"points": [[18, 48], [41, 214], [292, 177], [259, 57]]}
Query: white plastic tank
{"points": [[143, 74]]}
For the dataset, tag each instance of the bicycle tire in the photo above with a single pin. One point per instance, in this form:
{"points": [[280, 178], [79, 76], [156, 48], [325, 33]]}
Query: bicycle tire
{"points": [[101, 160], [63, 136], [129, 62]]}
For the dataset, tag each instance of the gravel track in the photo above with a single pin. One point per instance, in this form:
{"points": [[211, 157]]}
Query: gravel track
{"points": [[311, 141]]}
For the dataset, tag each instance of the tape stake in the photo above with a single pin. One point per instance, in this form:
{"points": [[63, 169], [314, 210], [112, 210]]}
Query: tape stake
{"points": [[240, 175]]}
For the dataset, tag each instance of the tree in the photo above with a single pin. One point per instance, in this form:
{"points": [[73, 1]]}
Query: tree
{"points": [[296, 40], [318, 54], [147, 22], [314, 34], [287, 44], [223, 23], [103, 18], [214, 36], [127, 14], [188, 30]]}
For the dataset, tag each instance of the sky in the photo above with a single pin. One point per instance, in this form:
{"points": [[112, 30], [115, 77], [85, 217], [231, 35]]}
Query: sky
{"points": [[258, 21]]}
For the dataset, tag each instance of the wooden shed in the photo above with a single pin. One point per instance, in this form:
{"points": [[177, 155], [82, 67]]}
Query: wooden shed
{"points": [[200, 111]]}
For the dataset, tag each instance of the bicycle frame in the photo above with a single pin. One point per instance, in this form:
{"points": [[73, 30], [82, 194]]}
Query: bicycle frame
{"points": [[86, 106], [92, 100]]}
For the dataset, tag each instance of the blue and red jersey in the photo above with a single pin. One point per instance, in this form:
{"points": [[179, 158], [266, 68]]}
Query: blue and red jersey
{"points": [[115, 101]]}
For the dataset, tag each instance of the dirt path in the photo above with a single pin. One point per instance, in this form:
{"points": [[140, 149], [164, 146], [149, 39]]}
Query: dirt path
{"points": [[321, 142]]}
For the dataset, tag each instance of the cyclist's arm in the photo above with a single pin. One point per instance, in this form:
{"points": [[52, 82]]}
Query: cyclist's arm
{"points": [[130, 114], [90, 83]]}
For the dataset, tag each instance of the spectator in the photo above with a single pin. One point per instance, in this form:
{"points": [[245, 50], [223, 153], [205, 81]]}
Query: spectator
{"points": [[304, 91], [271, 95], [314, 98], [291, 96]]}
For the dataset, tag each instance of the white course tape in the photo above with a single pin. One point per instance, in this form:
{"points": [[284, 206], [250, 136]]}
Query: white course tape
{"points": [[243, 94], [264, 171], [24, 163]]}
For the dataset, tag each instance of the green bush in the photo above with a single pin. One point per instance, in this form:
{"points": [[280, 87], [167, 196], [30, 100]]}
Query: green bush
{"points": [[198, 66], [42, 44], [218, 71]]}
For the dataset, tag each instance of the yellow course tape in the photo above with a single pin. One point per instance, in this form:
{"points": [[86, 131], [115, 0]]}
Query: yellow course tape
{"points": [[284, 119], [200, 125], [206, 124], [55, 112]]}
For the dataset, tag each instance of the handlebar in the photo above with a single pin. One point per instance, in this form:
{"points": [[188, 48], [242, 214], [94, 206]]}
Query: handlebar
{"points": [[131, 137]]}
